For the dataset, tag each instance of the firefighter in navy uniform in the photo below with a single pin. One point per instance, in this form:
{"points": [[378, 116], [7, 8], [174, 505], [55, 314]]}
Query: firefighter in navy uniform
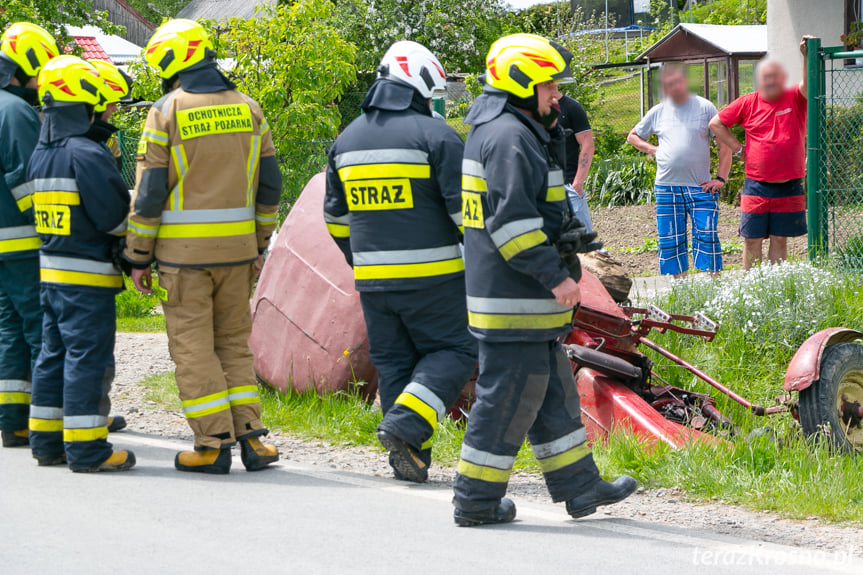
{"points": [[205, 207], [24, 49], [80, 204], [119, 86], [393, 206], [520, 290]]}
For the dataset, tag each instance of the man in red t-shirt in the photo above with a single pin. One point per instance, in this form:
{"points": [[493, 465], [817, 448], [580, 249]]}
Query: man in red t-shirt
{"points": [[772, 203]]}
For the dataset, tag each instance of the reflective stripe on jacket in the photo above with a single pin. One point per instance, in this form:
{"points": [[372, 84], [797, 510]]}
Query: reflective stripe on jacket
{"points": [[19, 134], [393, 198], [80, 203], [208, 182], [513, 206]]}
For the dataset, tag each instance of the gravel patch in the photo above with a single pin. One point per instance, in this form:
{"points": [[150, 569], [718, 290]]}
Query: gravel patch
{"points": [[143, 354]]}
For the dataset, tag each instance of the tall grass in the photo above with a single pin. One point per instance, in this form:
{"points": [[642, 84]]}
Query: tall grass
{"points": [[137, 312]]}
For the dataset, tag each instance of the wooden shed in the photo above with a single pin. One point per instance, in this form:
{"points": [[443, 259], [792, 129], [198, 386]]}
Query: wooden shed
{"points": [[721, 59]]}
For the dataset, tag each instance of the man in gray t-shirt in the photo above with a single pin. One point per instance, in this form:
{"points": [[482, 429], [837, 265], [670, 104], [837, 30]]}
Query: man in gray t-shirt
{"points": [[684, 186]]}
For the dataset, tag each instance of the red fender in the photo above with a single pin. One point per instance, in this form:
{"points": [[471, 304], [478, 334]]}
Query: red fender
{"points": [[607, 405], [805, 366]]}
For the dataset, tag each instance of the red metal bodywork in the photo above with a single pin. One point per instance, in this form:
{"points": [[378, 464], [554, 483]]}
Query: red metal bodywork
{"points": [[805, 366]]}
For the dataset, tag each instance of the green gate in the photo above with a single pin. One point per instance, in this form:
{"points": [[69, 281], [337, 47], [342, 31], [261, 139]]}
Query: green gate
{"points": [[835, 155]]}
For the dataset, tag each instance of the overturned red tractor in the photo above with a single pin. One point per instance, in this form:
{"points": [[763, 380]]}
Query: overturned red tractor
{"points": [[308, 334]]}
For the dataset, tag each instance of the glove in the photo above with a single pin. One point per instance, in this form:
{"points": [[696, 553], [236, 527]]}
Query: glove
{"points": [[117, 255], [575, 239]]}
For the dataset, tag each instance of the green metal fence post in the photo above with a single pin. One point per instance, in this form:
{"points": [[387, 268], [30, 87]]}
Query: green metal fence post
{"points": [[439, 106], [815, 87]]}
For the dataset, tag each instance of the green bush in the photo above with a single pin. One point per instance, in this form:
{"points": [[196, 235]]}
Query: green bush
{"points": [[620, 182]]}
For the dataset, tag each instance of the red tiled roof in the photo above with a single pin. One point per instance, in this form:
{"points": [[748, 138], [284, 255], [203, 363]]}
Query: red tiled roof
{"points": [[92, 49]]}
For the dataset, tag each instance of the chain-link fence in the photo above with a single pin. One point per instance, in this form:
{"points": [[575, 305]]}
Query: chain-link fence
{"points": [[621, 97], [835, 159]]}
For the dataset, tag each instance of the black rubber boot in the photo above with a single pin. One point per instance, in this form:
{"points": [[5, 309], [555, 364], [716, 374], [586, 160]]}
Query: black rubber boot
{"points": [[15, 438], [49, 461], [503, 512], [257, 455], [406, 461], [214, 461], [116, 423], [599, 494]]}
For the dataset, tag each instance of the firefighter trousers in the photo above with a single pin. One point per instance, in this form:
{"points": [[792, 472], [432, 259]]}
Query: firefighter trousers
{"points": [[73, 375], [424, 355], [20, 338], [524, 388], [208, 319]]}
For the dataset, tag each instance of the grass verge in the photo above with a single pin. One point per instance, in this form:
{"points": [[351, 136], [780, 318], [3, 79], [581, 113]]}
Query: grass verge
{"points": [[137, 312], [765, 316]]}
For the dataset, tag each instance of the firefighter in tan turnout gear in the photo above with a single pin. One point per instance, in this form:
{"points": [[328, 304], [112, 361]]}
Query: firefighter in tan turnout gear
{"points": [[204, 209]]}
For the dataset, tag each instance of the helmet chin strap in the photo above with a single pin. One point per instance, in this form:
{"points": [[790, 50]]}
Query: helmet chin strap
{"points": [[531, 104]]}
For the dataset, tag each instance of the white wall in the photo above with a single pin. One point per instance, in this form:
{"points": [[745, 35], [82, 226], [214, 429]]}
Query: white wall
{"points": [[789, 20]]}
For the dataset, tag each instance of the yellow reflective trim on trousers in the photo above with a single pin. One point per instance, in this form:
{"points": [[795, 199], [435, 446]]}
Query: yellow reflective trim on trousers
{"points": [[208, 411], [427, 444], [55, 198], [519, 321], [25, 203], [379, 171], [473, 184], [561, 460], [409, 270], [417, 405], [205, 399], [339, 230], [242, 389], [213, 230], [521, 243], [8, 397], [48, 425], [245, 401], [483, 473], [20, 245], [555, 194], [81, 278], [86, 434]]}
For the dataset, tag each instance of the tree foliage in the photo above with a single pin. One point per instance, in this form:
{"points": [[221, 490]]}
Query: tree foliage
{"points": [[156, 10], [459, 32], [294, 62], [54, 16], [728, 12]]}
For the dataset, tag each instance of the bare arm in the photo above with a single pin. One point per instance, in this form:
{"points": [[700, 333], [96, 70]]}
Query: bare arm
{"points": [[585, 159], [640, 143], [722, 170], [803, 83], [723, 134]]}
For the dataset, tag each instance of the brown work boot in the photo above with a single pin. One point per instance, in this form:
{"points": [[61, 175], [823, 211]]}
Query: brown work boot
{"points": [[257, 455], [19, 438], [215, 461], [118, 461]]}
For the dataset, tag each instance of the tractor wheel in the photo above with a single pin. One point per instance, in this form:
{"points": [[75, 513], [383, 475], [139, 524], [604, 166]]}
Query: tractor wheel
{"points": [[832, 407]]}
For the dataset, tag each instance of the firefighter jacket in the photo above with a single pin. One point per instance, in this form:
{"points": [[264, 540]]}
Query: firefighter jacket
{"points": [[208, 180], [80, 203], [393, 197], [513, 206], [19, 133]]}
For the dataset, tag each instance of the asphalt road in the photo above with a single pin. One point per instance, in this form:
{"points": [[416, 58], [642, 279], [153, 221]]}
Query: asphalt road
{"points": [[305, 519]]}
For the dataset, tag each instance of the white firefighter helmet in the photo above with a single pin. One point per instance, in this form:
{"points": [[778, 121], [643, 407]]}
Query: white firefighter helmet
{"points": [[414, 64]]}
